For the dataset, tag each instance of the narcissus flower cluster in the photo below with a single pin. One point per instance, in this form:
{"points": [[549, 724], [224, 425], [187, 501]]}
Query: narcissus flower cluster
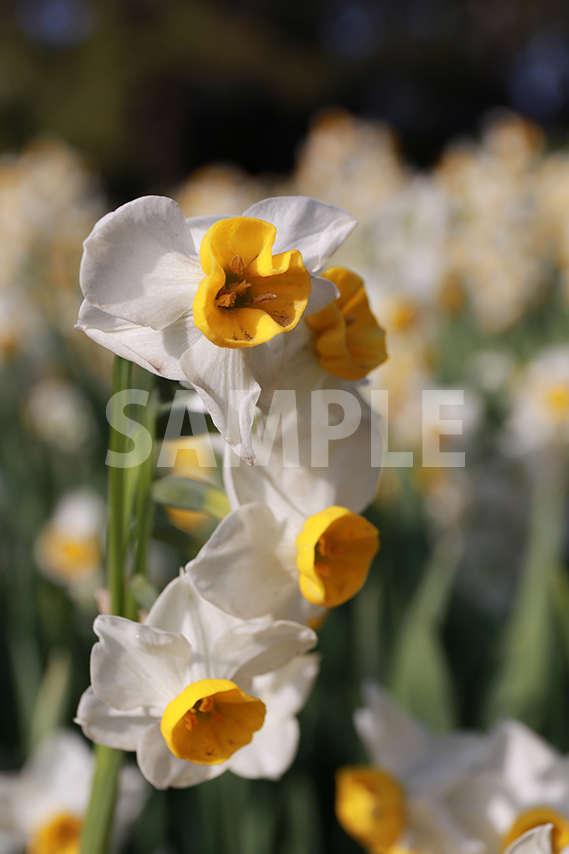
{"points": [[245, 311]]}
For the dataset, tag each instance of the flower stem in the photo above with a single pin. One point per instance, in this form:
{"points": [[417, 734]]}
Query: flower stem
{"points": [[117, 530], [99, 817], [144, 508], [98, 821]]}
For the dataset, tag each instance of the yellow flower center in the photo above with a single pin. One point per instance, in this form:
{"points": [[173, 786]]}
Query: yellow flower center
{"points": [[558, 401], [335, 551], [249, 295], [187, 464], [348, 339], [61, 835], [210, 720], [534, 818], [370, 806], [67, 557]]}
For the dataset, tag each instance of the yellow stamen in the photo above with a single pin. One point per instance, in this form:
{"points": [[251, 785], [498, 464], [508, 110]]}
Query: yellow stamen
{"points": [[534, 818], [348, 339], [370, 806], [334, 553], [210, 720], [248, 295], [61, 835]]}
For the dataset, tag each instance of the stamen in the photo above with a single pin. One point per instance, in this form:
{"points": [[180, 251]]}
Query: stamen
{"points": [[226, 300], [262, 298], [241, 287], [205, 705], [237, 265], [190, 719], [349, 320]]}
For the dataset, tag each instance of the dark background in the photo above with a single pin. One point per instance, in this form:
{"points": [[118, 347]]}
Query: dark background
{"points": [[151, 89]]}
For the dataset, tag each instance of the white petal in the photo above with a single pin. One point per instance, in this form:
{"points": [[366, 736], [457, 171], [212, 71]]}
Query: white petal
{"points": [[348, 481], [216, 372], [136, 665], [62, 768], [257, 650], [322, 294], [285, 691], [157, 351], [312, 227], [522, 759], [140, 263], [238, 568], [161, 768], [270, 753], [536, 841], [392, 738], [105, 725]]}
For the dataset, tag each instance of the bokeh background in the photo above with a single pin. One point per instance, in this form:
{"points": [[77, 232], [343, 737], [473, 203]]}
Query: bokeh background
{"points": [[443, 127]]}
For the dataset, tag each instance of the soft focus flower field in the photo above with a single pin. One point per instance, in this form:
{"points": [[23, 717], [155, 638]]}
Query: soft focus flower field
{"points": [[464, 618]]}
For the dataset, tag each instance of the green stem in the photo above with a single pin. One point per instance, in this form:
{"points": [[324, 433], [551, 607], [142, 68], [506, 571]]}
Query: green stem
{"points": [[144, 507], [99, 818], [117, 530]]}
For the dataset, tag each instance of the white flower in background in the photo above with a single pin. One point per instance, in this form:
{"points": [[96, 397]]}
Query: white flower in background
{"points": [[198, 301], [400, 805], [183, 690], [520, 782], [349, 162], [42, 807], [540, 407], [58, 412], [69, 547]]}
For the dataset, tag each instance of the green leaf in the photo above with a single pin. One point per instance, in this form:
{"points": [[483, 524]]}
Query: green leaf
{"points": [[521, 687], [51, 701], [419, 673]]}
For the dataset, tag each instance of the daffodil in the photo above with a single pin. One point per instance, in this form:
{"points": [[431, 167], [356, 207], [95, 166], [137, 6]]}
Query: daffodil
{"points": [[294, 546], [42, 807], [199, 300], [190, 689], [401, 804], [520, 783]]}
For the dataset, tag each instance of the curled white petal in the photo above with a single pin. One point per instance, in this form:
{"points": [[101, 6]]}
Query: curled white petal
{"points": [[140, 263]]}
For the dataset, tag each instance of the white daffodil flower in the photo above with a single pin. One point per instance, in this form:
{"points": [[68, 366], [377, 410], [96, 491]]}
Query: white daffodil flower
{"points": [[183, 689], [401, 804], [294, 543], [198, 300], [42, 807], [520, 783]]}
